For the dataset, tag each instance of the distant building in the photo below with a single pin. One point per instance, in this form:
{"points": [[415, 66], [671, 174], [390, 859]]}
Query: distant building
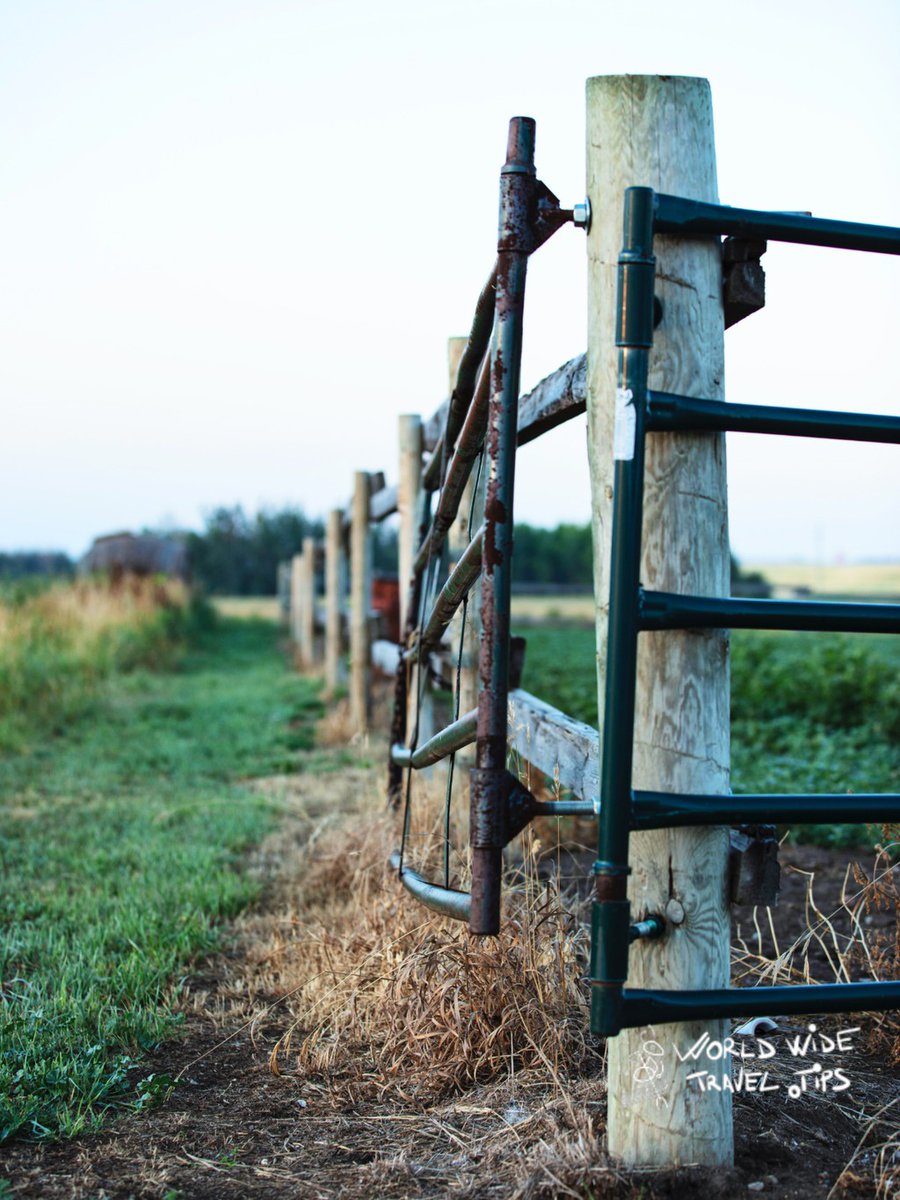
{"points": [[137, 554]]}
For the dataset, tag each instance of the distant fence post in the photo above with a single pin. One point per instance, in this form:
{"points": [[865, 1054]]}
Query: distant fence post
{"points": [[283, 590], [334, 550], [308, 604], [657, 132], [360, 603], [409, 484], [296, 593], [457, 541]]}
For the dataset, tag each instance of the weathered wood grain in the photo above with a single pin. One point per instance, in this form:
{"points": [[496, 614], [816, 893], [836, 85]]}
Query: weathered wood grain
{"points": [[657, 132], [565, 750], [557, 398]]}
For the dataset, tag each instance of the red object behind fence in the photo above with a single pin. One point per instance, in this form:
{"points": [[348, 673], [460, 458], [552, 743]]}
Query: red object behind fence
{"points": [[386, 602]]}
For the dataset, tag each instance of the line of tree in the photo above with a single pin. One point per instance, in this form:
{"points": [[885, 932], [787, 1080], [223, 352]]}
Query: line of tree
{"points": [[24, 564], [237, 554]]}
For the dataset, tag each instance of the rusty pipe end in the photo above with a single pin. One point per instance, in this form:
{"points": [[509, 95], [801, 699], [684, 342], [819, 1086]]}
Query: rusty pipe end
{"points": [[520, 146]]}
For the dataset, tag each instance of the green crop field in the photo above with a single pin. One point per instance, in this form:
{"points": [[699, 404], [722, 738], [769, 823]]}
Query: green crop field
{"points": [[810, 712], [123, 817]]}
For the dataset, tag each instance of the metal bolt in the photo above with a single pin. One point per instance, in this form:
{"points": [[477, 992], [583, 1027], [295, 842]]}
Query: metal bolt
{"points": [[581, 215], [675, 911]]}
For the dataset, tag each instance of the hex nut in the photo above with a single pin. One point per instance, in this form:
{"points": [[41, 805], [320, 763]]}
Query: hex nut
{"points": [[581, 215]]}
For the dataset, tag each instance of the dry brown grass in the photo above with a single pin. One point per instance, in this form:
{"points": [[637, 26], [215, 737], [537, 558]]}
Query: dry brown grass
{"points": [[480, 1048], [335, 728], [81, 611], [844, 938], [394, 999]]}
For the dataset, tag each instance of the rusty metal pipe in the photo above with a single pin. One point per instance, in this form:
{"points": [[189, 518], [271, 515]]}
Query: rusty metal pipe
{"points": [[487, 818], [466, 379], [450, 598], [447, 741], [446, 901], [471, 439]]}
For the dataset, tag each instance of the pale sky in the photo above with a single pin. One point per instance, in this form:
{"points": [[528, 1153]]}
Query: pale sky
{"points": [[234, 238]]}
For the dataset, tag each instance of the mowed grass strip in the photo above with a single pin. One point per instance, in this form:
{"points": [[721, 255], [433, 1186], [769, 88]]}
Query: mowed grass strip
{"points": [[121, 836], [809, 712]]}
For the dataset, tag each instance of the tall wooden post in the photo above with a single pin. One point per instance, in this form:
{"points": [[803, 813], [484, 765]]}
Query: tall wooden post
{"points": [[658, 132], [360, 602], [296, 597], [457, 540], [308, 604], [334, 551], [283, 591], [409, 486]]}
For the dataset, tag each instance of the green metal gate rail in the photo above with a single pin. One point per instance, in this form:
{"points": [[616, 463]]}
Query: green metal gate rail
{"points": [[632, 610]]}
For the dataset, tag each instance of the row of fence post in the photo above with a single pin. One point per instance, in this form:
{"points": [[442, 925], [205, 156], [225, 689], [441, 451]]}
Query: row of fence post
{"points": [[325, 591]]}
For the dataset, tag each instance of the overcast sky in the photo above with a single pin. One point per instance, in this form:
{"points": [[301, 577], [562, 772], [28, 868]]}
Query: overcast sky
{"points": [[236, 236]]}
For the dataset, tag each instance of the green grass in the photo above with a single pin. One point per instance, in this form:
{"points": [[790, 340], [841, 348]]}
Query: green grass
{"points": [[121, 836], [810, 712]]}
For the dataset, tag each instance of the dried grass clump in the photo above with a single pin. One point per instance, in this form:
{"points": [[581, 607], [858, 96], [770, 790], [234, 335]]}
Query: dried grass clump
{"points": [[395, 999], [854, 939], [336, 727]]}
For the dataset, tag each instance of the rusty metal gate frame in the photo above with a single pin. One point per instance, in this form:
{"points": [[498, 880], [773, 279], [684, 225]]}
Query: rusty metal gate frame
{"points": [[481, 417]]}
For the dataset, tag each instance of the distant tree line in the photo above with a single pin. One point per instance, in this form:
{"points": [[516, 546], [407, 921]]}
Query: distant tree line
{"points": [[25, 563], [237, 554]]}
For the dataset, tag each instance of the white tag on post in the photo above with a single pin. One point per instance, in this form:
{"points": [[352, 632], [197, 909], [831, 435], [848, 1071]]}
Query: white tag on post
{"points": [[624, 430]]}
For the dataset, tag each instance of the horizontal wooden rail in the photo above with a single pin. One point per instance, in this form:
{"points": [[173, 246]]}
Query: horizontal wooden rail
{"points": [[562, 748], [558, 398], [383, 504]]}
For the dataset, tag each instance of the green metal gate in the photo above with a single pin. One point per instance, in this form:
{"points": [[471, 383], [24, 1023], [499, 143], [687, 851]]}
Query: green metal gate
{"points": [[633, 610]]}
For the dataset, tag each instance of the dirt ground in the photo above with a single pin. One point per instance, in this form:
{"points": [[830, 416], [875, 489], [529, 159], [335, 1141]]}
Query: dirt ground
{"points": [[233, 1128]]}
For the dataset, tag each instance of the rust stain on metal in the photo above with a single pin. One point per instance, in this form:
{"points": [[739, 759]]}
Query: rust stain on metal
{"points": [[495, 514], [611, 887]]}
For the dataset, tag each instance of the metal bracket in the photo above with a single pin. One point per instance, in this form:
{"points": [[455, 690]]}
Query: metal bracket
{"points": [[548, 216], [500, 793], [743, 278], [754, 875]]}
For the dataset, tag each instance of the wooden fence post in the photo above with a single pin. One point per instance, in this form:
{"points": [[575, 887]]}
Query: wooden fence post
{"points": [[409, 486], [308, 604], [333, 574], [360, 603], [283, 591], [295, 602], [657, 131]]}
